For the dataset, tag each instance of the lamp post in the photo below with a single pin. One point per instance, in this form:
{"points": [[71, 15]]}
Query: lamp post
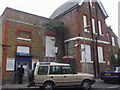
{"points": [[85, 45]]}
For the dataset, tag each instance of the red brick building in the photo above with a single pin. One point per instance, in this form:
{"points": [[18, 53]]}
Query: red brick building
{"points": [[88, 46], [25, 40]]}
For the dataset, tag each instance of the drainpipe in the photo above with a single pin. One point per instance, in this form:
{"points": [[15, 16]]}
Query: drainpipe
{"points": [[93, 48], [96, 37]]}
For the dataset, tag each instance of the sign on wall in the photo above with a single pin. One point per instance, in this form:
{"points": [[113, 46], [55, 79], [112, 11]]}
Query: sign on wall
{"points": [[10, 64], [68, 57]]}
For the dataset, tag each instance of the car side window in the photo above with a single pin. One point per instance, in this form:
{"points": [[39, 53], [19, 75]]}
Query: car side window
{"points": [[66, 70], [42, 70], [55, 70]]}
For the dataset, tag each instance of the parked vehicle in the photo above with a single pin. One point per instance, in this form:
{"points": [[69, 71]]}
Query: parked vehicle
{"points": [[111, 74], [50, 74]]}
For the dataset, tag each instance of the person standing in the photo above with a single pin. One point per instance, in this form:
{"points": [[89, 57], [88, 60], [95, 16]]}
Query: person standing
{"points": [[20, 72]]}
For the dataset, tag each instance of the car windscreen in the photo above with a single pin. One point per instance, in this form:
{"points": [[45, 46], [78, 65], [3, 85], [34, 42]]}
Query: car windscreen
{"points": [[111, 69]]}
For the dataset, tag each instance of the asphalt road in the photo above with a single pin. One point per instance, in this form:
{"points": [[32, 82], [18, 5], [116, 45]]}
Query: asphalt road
{"points": [[99, 85]]}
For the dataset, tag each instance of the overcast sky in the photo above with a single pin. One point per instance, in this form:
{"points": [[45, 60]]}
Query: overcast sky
{"points": [[46, 7]]}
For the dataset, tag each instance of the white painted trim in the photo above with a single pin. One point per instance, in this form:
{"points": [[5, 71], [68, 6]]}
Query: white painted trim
{"points": [[100, 4], [102, 8], [86, 31], [86, 61], [90, 62], [81, 2], [87, 39], [99, 41], [25, 39], [102, 62]]}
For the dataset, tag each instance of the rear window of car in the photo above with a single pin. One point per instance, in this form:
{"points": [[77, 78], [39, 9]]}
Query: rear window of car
{"points": [[111, 69]]}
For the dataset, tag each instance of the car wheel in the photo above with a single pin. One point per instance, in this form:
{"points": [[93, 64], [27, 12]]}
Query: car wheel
{"points": [[48, 86], [86, 84]]}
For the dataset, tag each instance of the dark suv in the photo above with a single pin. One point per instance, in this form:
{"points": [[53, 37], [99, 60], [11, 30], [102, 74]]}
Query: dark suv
{"points": [[111, 74]]}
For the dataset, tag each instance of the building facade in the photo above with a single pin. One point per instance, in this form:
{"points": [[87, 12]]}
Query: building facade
{"points": [[113, 46], [25, 40], [87, 35]]}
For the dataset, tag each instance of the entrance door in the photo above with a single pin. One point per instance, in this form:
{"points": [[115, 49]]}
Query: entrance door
{"points": [[26, 66]]}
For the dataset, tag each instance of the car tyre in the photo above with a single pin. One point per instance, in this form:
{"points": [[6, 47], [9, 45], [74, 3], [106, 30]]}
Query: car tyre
{"points": [[48, 86], [86, 85]]}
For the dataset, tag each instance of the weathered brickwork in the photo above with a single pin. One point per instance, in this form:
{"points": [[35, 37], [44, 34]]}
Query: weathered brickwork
{"points": [[16, 21]]}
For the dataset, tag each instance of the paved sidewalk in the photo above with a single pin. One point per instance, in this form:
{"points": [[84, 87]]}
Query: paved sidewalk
{"points": [[16, 86]]}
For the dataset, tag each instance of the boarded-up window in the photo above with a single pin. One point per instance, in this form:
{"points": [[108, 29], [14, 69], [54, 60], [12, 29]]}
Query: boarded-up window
{"points": [[100, 54], [50, 46], [86, 53]]}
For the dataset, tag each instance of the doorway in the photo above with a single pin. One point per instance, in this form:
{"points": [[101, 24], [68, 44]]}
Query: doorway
{"points": [[26, 66]]}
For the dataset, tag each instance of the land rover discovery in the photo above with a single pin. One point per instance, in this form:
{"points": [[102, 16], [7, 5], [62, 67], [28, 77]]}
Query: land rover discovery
{"points": [[49, 75]]}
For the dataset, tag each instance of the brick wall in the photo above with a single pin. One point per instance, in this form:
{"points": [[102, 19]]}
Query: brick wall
{"points": [[15, 21], [74, 22]]}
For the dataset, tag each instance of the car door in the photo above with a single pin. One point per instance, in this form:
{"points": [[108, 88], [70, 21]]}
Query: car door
{"points": [[41, 74], [55, 74], [69, 78]]}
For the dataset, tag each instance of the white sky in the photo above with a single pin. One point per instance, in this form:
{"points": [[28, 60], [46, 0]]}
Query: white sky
{"points": [[46, 7]]}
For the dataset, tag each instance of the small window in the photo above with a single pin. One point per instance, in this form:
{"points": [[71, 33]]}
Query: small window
{"points": [[100, 54], [55, 70], [43, 70], [85, 22], [93, 25], [108, 37], [100, 27], [66, 70], [113, 41], [23, 49]]}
